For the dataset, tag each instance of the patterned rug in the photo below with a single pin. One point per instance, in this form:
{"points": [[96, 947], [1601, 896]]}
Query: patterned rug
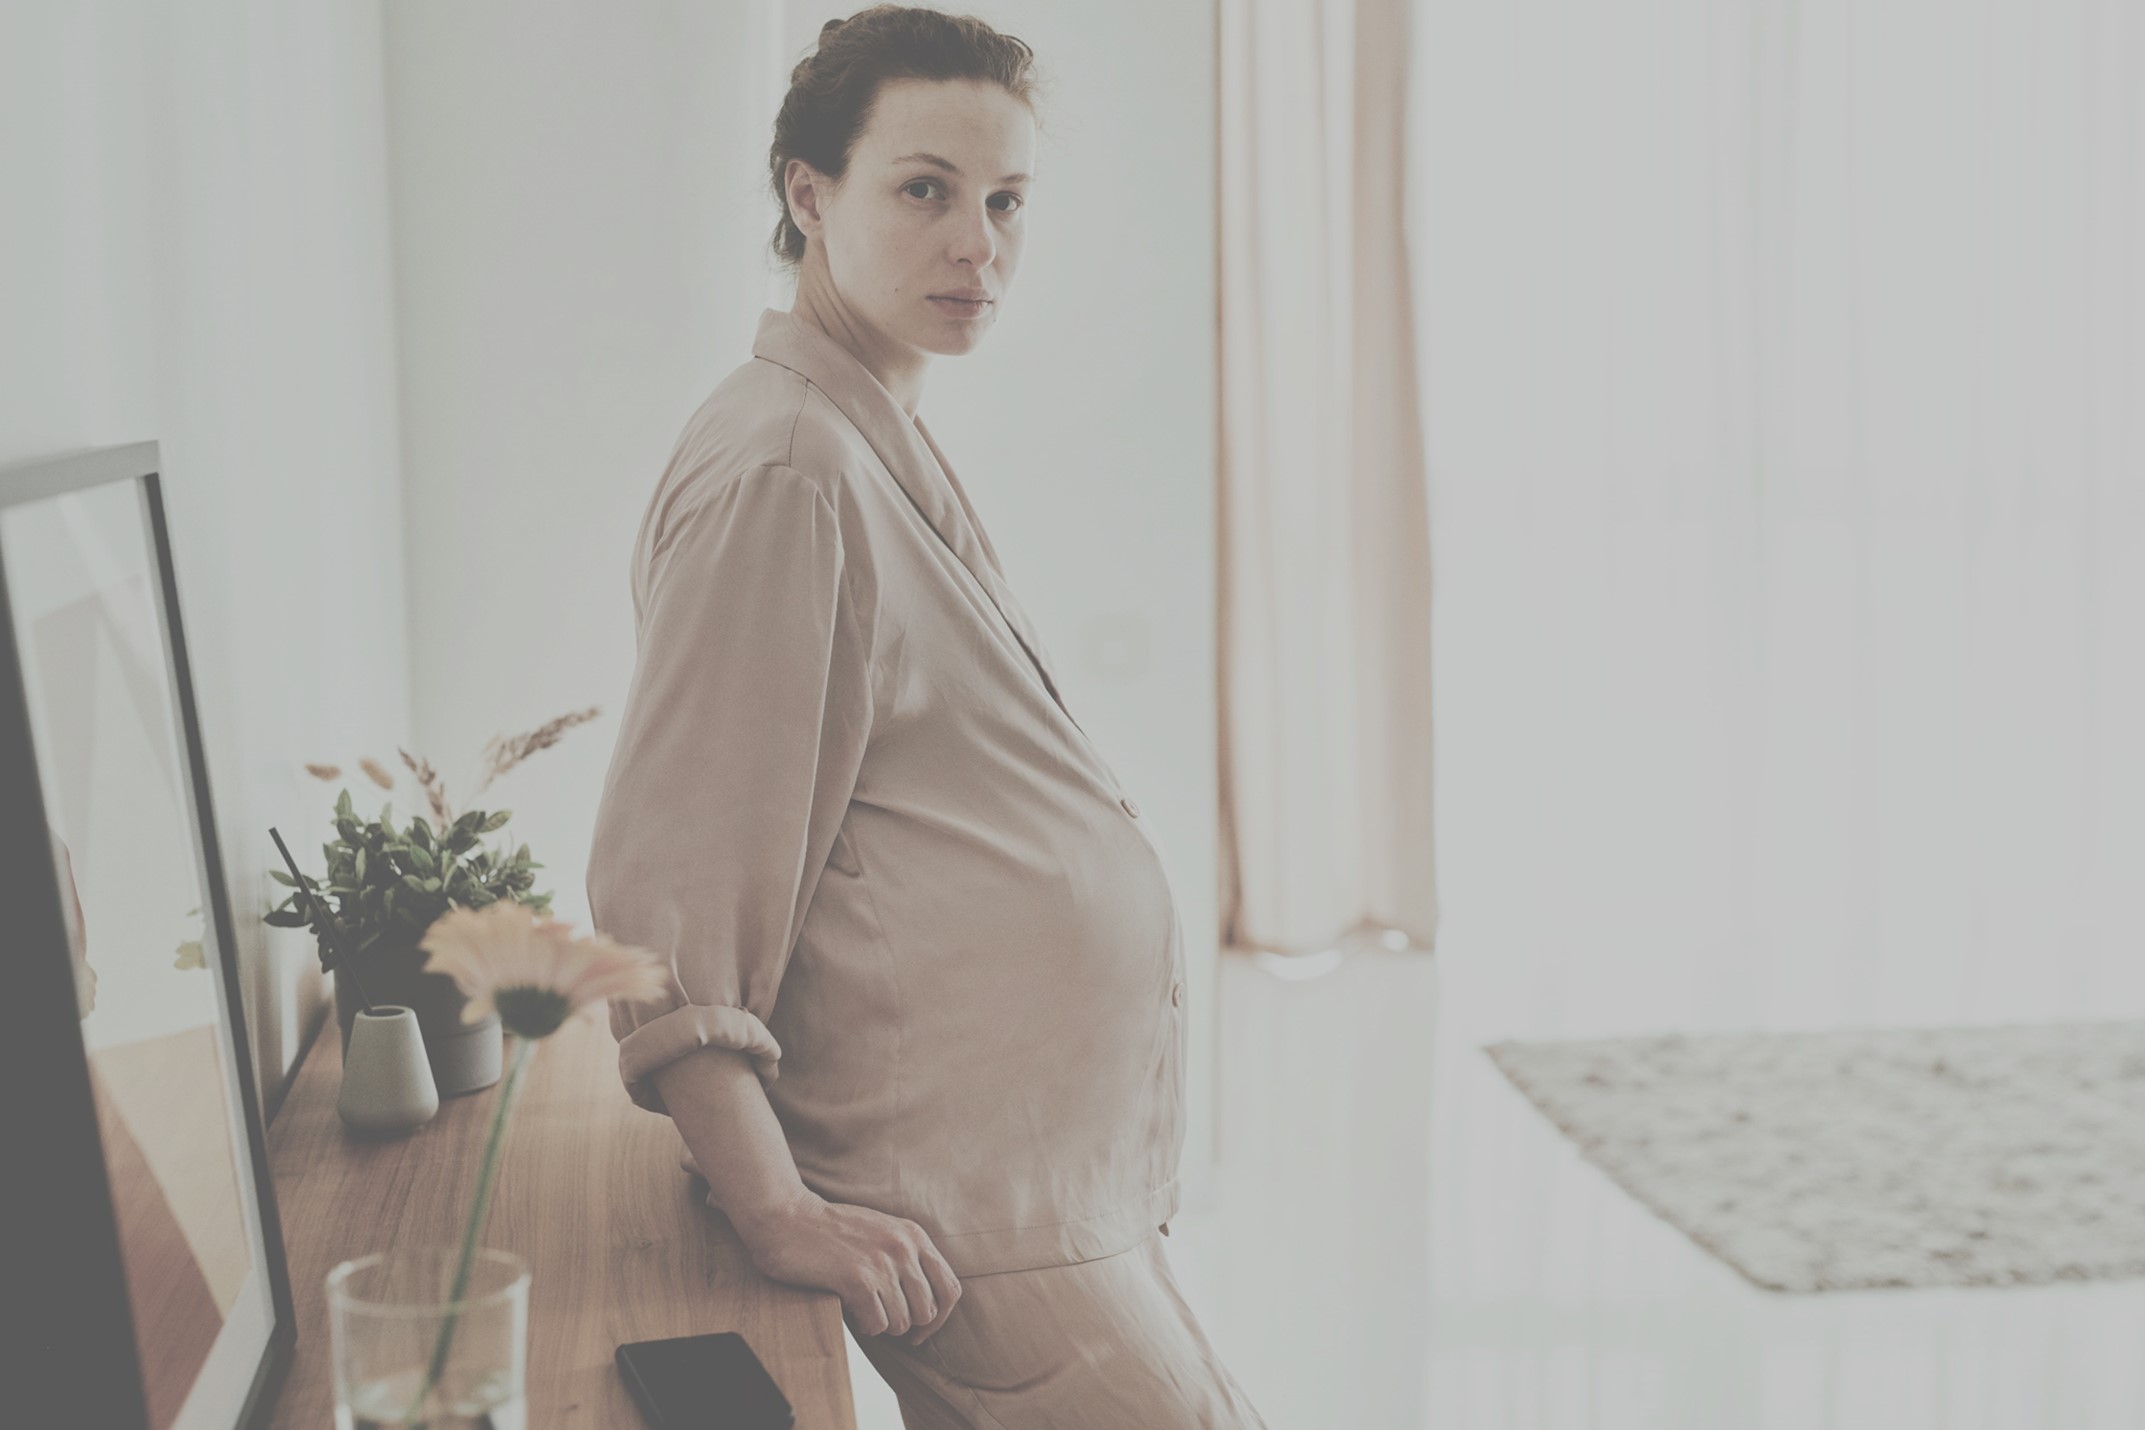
{"points": [[1992, 1156]]}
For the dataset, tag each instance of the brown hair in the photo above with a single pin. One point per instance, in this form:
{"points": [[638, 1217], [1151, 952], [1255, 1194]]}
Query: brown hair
{"points": [[832, 90]]}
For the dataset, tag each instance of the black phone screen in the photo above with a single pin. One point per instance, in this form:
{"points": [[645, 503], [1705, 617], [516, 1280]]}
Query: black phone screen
{"points": [[710, 1382]]}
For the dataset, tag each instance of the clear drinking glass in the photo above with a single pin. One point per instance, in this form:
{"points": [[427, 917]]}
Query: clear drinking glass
{"points": [[385, 1315]]}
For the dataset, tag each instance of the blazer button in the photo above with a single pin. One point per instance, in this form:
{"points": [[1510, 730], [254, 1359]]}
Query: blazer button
{"points": [[1176, 994], [1130, 808]]}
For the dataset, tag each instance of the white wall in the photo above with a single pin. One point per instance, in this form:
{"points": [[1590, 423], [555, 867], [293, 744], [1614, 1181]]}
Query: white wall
{"points": [[193, 200], [574, 234], [580, 229]]}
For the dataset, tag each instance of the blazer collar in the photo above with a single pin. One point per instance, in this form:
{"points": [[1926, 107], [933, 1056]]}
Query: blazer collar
{"points": [[904, 445]]}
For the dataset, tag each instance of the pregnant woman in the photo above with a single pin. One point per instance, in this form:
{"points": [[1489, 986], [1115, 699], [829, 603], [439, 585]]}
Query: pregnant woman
{"points": [[925, 1030]]}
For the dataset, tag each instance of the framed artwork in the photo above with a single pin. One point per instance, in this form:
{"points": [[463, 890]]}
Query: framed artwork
{"points": [[146, 1267]]}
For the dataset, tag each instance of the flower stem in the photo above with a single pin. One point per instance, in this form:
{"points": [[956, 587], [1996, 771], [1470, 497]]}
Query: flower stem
{"points": [[477, 1207]]}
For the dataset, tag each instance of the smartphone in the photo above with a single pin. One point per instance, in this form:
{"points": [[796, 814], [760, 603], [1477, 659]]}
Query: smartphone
{"points": [[710, 1382]]}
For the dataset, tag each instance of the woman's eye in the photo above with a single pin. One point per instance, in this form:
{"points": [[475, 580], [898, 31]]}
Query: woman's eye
{"points": [[910, 188]]}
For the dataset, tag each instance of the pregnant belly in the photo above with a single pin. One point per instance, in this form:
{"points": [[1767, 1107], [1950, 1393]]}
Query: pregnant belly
{"points": [[1032, 936], [954, 993]]}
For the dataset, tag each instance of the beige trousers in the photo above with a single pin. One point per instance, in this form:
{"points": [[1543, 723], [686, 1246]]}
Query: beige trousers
{"points": [[1107, 1344]]}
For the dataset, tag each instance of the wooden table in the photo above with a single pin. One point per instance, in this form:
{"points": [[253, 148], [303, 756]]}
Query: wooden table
{"points": [[620, 1241]]}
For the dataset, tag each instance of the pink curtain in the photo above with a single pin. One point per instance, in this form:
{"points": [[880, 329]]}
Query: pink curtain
{"points": [[1324, 567]]}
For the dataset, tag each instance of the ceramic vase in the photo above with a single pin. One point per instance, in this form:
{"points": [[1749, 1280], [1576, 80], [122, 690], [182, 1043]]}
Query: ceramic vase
{"points": [[464, 1056], [387, 1083]]}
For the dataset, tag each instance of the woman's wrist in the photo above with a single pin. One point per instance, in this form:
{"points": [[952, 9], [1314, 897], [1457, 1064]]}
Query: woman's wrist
{"points": [[754, 1220]]}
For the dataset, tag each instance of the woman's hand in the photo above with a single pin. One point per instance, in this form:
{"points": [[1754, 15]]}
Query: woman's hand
{"points": [[890, 1277]]}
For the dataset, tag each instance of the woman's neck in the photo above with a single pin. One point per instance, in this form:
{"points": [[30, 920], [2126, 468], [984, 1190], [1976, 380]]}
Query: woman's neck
{"points": [[899, 368]]}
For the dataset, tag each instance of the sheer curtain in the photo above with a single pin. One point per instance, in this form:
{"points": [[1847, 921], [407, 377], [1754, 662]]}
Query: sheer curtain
{"points": [[1783, 367], [1324, 543]]}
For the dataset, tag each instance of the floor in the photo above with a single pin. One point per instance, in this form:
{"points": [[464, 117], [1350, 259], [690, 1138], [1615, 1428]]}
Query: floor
{"points": [[1517, 1289]]}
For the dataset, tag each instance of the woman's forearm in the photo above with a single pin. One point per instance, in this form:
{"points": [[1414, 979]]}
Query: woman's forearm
{"points": [[722, 1112], [890, 1275]]}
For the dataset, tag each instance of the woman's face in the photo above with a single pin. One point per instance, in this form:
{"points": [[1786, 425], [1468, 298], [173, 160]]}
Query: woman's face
{"points": [[932, 208]]}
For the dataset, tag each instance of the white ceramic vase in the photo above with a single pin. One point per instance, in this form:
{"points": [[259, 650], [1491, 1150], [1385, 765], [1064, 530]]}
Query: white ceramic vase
{"points": [[387, 1082]]}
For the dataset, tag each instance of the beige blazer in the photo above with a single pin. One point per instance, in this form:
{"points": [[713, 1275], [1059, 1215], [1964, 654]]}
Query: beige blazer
{"points": [[849, 806]]}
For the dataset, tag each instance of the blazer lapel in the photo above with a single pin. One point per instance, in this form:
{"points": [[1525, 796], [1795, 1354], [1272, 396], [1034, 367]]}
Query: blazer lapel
{"points": [[911, 456], [992, 578]]}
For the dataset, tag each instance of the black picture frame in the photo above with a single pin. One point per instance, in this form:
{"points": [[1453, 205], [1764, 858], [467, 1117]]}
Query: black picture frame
{"points": [[71, 1356]]}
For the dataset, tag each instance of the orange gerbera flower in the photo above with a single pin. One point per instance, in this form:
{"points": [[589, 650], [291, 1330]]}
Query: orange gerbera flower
{"points": [[531, 970]]}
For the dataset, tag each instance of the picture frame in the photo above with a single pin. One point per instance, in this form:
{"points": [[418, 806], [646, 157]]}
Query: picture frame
{"points": [[146, 1266]]}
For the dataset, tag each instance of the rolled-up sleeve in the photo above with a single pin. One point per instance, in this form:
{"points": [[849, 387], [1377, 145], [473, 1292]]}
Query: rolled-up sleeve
{"points": [[739, 747]]}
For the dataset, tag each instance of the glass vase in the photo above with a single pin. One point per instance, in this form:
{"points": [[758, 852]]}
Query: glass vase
{"points": [[388, 1315]]}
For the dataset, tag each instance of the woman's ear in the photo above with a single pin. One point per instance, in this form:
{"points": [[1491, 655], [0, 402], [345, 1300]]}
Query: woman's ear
{"points": [[805, 188]]}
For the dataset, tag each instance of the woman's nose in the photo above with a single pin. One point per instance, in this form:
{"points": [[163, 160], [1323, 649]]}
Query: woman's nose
{"points": [[975, 244]]}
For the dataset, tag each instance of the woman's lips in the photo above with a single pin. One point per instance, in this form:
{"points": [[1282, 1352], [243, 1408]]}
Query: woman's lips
{"points": [[962, 308]]}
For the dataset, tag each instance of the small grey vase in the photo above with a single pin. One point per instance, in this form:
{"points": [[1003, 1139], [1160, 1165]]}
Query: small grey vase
{"points": [[387, 1082], [464, 1056]]}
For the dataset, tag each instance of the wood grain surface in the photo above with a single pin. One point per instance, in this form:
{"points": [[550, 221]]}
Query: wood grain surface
{"points": [[620, 1241]]}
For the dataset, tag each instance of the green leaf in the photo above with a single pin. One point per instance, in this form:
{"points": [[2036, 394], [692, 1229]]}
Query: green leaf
{"points": [[342, 805], [282, 878], [497, 821]]}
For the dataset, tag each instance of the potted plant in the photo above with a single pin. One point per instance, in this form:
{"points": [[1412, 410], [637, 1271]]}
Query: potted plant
{"points": [[387, 883]]}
